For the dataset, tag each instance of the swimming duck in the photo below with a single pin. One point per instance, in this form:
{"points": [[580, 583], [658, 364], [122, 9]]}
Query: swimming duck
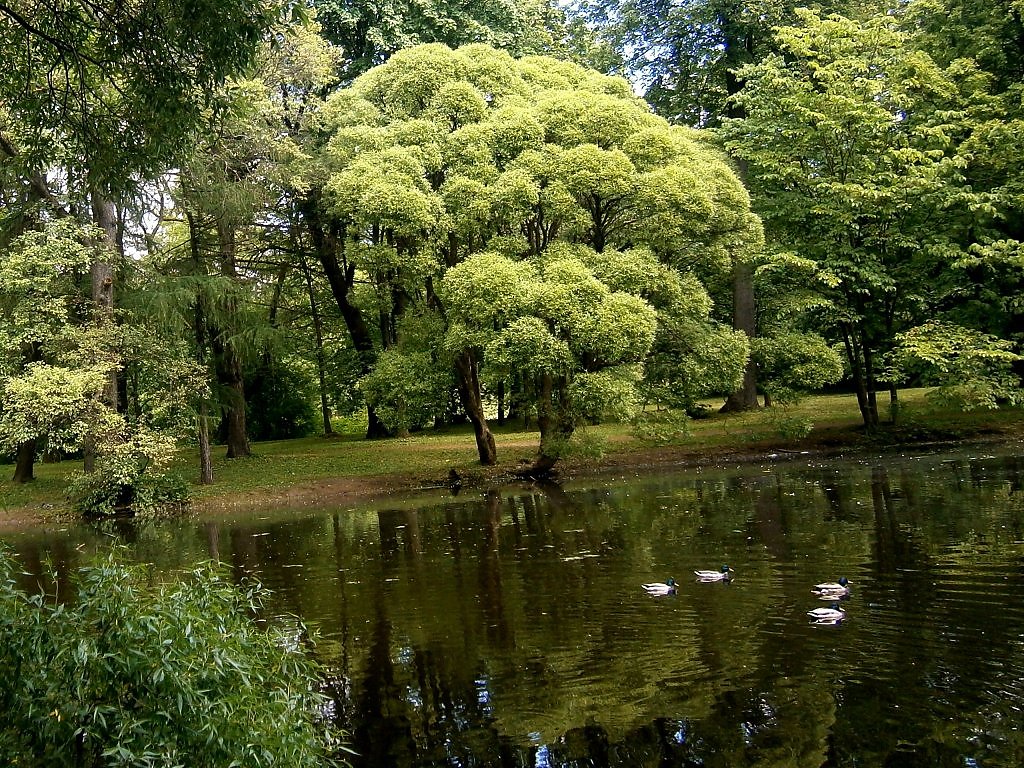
{"points": [[831, 615], [659, 588], [723, 575], [832, 589]]}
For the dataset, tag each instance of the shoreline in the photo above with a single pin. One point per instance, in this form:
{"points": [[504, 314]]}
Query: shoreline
{"points": [[368, 489]]}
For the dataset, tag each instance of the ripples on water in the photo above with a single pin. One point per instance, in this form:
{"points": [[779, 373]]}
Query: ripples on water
{"points": [[510, 628]]}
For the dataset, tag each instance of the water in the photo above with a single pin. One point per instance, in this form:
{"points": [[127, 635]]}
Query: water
{"points": [[510, 629]]}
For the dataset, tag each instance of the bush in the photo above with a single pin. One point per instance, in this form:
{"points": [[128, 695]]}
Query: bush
{"points": [[100, 494], [661, 427], [129, 475], [131, 674]]}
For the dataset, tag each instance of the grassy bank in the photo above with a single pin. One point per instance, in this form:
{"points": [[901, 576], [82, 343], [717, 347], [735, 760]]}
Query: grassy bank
{"points": [[297, 470]]}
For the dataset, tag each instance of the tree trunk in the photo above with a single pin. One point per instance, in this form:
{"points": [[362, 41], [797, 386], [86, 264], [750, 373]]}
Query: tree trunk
{"points": [[228, 363], [104, 216], [555, 429], [739, 49], [744, 318], [205, 457], [318, 331], [869, 379], [469, 391], [24, 469], [199, 330], [860, 384], [341, 280]]}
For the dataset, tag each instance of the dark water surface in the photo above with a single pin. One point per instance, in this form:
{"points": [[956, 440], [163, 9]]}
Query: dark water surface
{"points": [[511, 630]]}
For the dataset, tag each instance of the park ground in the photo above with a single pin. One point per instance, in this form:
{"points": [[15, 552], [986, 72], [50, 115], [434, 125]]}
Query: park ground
{"points": [[344, 470]]}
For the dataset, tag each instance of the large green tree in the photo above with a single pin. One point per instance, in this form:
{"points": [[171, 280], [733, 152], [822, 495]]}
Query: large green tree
{"points": [[438, 155], [686, 58], [854, 138]]}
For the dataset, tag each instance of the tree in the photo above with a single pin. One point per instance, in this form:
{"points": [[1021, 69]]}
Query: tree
{"points": [[101, 95], [41, 278], [56, 371], [686, 58], [366, 35], [440, 155], [851, 136], [369, 33]]}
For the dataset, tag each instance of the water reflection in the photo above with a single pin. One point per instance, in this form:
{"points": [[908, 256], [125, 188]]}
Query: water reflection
{"points": [[510, 629]]}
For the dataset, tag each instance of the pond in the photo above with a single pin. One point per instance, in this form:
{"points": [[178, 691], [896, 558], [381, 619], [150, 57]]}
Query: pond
{"points": [[510, 628]]}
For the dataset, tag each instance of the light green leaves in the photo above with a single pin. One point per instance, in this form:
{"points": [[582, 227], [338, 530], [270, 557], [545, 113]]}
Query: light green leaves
{"points": [[970, 368], [58, 403], [134, 672]]}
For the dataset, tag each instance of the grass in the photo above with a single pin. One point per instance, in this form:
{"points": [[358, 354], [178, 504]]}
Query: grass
{"points": [[822, 422]]}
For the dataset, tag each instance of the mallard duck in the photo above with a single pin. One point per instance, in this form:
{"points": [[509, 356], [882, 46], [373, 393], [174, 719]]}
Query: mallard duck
{"points": [[832, 589], [659, 588], [831, 615], [723, 575]]}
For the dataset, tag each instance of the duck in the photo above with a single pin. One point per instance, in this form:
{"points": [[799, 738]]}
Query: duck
{"points": [[723, 575], [832, 615], [832, 589], [661, 588]]}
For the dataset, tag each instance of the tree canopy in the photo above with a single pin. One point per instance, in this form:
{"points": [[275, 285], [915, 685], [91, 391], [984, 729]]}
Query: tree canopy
{"points": [[453, 163]]}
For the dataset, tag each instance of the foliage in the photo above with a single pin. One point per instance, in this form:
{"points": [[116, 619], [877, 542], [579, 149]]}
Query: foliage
{"points": [[121, 84], [279, 402], [369, 33], [131, 673], [54, 367], [793, 364], [130, 475], [851, 136], [57, 367], [409, 389], [58, 405], [683, 54], [40, 291], [554, 208], [661, 427], [576, 344], [971, 369]]}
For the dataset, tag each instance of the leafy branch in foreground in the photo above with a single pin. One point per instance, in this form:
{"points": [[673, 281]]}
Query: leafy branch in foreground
{"points": [[128, 673]]}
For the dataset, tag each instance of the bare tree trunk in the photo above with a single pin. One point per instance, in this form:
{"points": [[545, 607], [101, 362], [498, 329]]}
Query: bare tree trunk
{"points": [[744, 318], [318, 330], [24, 468], [469, 390], [228, 363]]}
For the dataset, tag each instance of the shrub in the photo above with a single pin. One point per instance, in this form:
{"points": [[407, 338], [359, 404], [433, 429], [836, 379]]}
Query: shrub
{"points": [[132, 674], [130, 475]]}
